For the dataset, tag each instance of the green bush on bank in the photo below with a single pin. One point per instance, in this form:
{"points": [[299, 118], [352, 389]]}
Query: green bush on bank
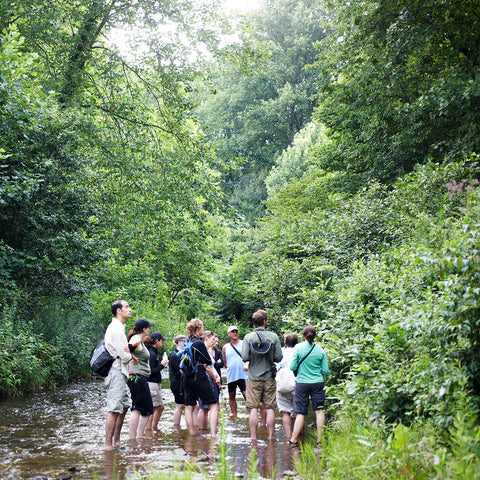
{"points": [[358, 447], [399, 319], [27, 361]]}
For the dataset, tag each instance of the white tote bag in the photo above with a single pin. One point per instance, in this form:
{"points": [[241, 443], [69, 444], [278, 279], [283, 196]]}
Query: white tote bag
{"points": [[285, 380]]}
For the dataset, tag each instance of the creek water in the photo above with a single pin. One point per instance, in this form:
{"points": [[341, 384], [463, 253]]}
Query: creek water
{"points": [[61, 433]]}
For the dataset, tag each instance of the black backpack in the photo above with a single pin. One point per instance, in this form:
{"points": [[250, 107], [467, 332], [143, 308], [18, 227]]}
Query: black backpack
{"points": [[100, 360]]}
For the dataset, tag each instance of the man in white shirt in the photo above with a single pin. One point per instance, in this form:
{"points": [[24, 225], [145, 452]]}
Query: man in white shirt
{"points": [[118, 395]]}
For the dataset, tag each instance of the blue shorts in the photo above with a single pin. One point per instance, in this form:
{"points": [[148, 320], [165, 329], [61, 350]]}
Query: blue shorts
{"points": [[306, 391]]}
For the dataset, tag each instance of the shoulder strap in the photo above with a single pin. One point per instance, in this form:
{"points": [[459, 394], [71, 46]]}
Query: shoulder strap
{"points": [[199, 354], [309, 352], [236, 350]]}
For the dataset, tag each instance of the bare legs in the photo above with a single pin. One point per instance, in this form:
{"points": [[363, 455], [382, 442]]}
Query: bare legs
{"points": [[253, 422], [213, 415], [136, 425], [113, 427], [320, 414], [287, 424], [297, 427], [300, 422], [263, 414], [202, 419], [177, 414], [189, 420], [152, 423], [270, 417], [232, 402]]}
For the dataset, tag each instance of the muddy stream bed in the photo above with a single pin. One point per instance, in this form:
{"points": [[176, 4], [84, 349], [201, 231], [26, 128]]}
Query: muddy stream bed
{"points": [[60, 434]]}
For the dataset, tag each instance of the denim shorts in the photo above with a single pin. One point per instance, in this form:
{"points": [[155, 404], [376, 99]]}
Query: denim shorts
{"points": [[118, 394], [306, 391]]}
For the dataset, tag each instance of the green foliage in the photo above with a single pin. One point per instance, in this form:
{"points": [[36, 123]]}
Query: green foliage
{"points": [[355, 449], [106, 183], [296, 159], [27, 362], [252, 110], [44, 190], [460, 459], [398, 85], [389, 278], [110, 188]]}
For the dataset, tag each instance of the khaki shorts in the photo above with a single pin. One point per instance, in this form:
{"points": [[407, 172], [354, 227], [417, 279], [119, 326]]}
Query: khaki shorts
{"points": [[156, 392], [261, 392], [118, 393]]}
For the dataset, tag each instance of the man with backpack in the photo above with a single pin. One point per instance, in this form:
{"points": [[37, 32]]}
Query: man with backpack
{"points": [[118, 394], [236, 373], [262, 349]]}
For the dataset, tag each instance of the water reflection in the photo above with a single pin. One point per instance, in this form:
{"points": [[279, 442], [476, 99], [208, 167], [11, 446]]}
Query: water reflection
{"points": [[50, 434]]}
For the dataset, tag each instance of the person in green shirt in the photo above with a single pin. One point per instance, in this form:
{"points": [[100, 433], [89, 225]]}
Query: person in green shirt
{"points": [[142, 405], [310, 362], [261, 385]]}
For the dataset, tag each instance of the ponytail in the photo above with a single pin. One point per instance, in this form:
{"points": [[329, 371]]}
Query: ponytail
{"points": [[309, 333]]}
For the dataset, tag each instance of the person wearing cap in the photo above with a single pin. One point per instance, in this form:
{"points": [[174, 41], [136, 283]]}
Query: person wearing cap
{"points": [[142, 406], [118, 394], [236, 374], [176, 383], [262, 349], [154, 342]]}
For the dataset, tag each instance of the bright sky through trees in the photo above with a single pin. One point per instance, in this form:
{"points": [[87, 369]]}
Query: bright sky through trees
{"points": [[242, 5], [124, 38]]}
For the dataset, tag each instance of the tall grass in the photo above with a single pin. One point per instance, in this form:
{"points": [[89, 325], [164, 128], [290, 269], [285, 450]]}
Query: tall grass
{"points": [[358, 448]]}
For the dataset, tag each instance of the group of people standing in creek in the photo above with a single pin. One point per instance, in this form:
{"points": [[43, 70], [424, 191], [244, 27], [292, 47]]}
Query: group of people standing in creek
{"points": [[134, 380]]}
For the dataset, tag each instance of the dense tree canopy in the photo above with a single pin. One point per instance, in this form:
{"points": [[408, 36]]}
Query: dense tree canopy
{"points": [[399, 85], [259, 105], [320, 162]]}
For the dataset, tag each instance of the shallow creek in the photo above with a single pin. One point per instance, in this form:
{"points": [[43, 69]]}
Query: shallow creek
{"points": [[60, 434]]}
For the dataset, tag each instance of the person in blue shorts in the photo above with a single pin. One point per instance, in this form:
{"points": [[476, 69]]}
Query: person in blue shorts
{"points": [[310, 361]]}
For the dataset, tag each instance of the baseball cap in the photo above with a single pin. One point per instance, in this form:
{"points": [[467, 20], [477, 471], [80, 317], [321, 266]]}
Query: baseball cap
{"points": [[231, 328], [157, 336], [143, 323]]}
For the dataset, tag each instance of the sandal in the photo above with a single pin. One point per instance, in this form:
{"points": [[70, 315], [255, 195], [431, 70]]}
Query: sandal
{"points": [[293, 444]]}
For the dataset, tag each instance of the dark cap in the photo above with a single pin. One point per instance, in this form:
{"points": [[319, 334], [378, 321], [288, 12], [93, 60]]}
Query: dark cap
{"points": [[156, 336], [143, 323]]}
